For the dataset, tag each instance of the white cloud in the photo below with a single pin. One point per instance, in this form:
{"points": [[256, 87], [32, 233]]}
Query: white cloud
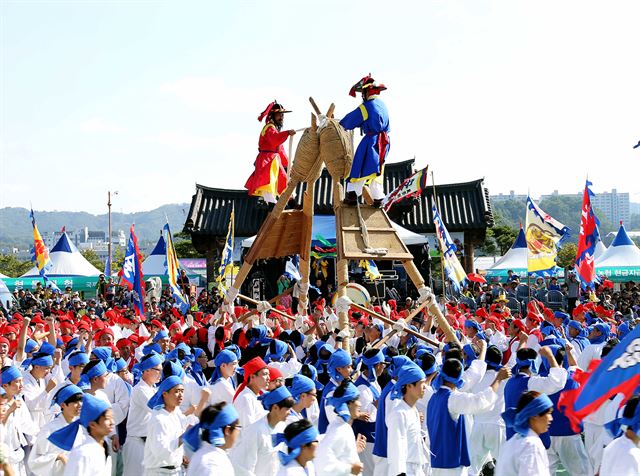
{"points": [[99, 125]]}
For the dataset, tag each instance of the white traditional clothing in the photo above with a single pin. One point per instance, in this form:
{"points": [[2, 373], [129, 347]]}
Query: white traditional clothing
{"points": [[368, 405], [43, 455], [249, 407], [337, 451], [288, 368], [88, 459], [621, 457], [254, 454], [589, 353], [19, 431], [36, 398], [405, 444], [523, 455], [163, 450], [210, 459], [118, 394], [222, 391], [137, 421], [294, 469]]}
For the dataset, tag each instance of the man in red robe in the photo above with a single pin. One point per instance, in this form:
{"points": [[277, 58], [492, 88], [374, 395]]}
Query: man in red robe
{"points": [[269, 179]]}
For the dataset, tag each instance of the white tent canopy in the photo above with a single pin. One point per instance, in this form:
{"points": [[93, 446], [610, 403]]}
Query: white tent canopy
{"points": [[621, 261], [325, 226], [154, 263], [66, 260], [600, 249]]}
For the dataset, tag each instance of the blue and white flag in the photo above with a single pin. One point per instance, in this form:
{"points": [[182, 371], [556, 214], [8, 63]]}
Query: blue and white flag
{"points": [[131, 274], [452, 267], [292, 268]]}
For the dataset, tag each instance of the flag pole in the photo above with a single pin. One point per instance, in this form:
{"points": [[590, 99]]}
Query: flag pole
{"points": [[435, 204]]}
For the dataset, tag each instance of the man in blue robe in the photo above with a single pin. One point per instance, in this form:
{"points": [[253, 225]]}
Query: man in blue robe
{"points": [[368, 162]]}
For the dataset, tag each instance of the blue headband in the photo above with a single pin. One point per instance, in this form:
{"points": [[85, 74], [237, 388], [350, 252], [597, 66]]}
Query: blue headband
{"points": [[105, 354], [562, 315], [78, 358], [314, 376], [235, 349], [92, 409], [224, 357], [623, 330], [604, 329], [262, 336], [473, 324], [167, 384], [408, 374], [120, 364], [150, 362], [294, 444], [576, 325], [340, 403], [519, 421], [96, 371], [46, 348], [371, 363], [180, 347], [397, 363], [176, 368], [525, 363], [65, 393], [10, 374], [470, 354], [280, 350], [160, 335], [274, 396], [340, 358], [30, 346], [442, 377], [299, 385], [39, 359], [192, 437], [147, 349]]}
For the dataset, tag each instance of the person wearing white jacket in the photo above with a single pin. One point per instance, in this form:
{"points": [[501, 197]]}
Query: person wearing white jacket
{"points": [[338, 450], [301, 440], [46, 459]]}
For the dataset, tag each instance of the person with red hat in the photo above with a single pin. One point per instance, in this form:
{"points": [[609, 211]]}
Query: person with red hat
{"points": [[256, 381], [269, 179], [372, 118]]}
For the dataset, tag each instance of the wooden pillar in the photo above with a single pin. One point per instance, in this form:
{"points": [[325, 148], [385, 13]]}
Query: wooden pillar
{"points": [[342, 264], [210, 255], [468, 256], [305, 253]]}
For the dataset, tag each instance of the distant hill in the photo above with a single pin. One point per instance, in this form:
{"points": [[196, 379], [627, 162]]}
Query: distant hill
{"points": [[15, 225]]}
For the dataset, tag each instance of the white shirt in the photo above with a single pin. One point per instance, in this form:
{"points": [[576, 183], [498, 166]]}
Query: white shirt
{"points": [[210, 459], [36, 398], [249, 407], [18, 431], [294, 469], [163, 446], [465, 403], [473, 375], [552, 383], [118, 395], [404, 439], [621, 457], [88, 459], [288, 368], [367, 401], [42, 458], [222, 391], [493, 415], [523, 456], [254, 454], [589, 353], [337, 451], [139, 413]]}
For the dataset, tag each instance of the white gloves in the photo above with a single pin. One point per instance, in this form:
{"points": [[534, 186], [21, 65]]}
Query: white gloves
{"points": [[232, 294], [399, 326], [299, 324], [343, 304], [426, 295], [264, 306]]}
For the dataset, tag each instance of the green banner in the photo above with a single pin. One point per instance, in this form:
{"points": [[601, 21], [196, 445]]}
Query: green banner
{"points": [[620, 274]]}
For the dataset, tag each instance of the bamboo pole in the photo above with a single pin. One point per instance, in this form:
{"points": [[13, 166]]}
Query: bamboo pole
{"points": [[274, 300], [407, 320], [305, 254], [389, 321], [342, 264], [276, 311]]}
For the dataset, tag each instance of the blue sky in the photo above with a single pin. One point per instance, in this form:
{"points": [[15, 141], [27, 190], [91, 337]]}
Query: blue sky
{"points": [[150, 97]]}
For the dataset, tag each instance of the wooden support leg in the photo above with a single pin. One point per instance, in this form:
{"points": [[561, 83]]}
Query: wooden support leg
{"points": [[434, 310], [305, 253]]}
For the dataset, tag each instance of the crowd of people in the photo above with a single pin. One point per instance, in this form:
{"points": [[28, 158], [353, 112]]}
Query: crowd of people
{"points": [[88, 387]]}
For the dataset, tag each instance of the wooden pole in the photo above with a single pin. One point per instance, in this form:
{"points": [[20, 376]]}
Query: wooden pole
{"points": [[274, 300], [342, 264], [389, 321], [305, 253], [276, 311], [407, 320]]}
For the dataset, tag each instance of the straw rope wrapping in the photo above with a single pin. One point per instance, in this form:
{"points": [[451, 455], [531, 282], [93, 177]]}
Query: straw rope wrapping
{"points": [[336, 148], [306, 166]]}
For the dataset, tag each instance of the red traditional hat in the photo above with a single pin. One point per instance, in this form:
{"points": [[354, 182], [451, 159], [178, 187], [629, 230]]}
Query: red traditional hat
{"points": [[157, 323], [4, 340], [252, 367], [520, 325], [123, 343], [366, 83], [272, 108], [482, 312], [274, 373], [175, 326]]}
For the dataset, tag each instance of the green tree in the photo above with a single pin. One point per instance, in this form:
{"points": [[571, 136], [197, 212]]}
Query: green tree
{"points": [[567, 255], [11, 266], [499, 239], [184, 246], [93, 258]]}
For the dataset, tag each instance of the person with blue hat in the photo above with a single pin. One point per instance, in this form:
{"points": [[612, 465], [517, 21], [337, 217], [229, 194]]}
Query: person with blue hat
{"points": [[597, 339], [304, 394], [301, 441], [19, 427], [222, 384], [37, 387], [622, 455], [372, 364], [339, 367], [163, 450], [525, 453], [446, 416], [45, 458], [150, 368], [338, 450], [282, 357], [76, 361], [255, 452], [211, 439], [405, 442], [95, 423], [577, 336]]}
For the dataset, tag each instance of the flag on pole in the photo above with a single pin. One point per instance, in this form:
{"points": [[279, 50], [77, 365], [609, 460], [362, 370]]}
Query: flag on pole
{"points": [[618, 372], [107, 266], [226, 260], [589, 236], [39, 252], [370, 269], [411, 187], [292, 268], [172, 266], [132, 276], [543, 233], [452, 267]]}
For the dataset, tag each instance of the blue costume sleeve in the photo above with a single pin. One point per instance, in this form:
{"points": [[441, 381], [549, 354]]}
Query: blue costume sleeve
{"points": [[355, 118]]}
